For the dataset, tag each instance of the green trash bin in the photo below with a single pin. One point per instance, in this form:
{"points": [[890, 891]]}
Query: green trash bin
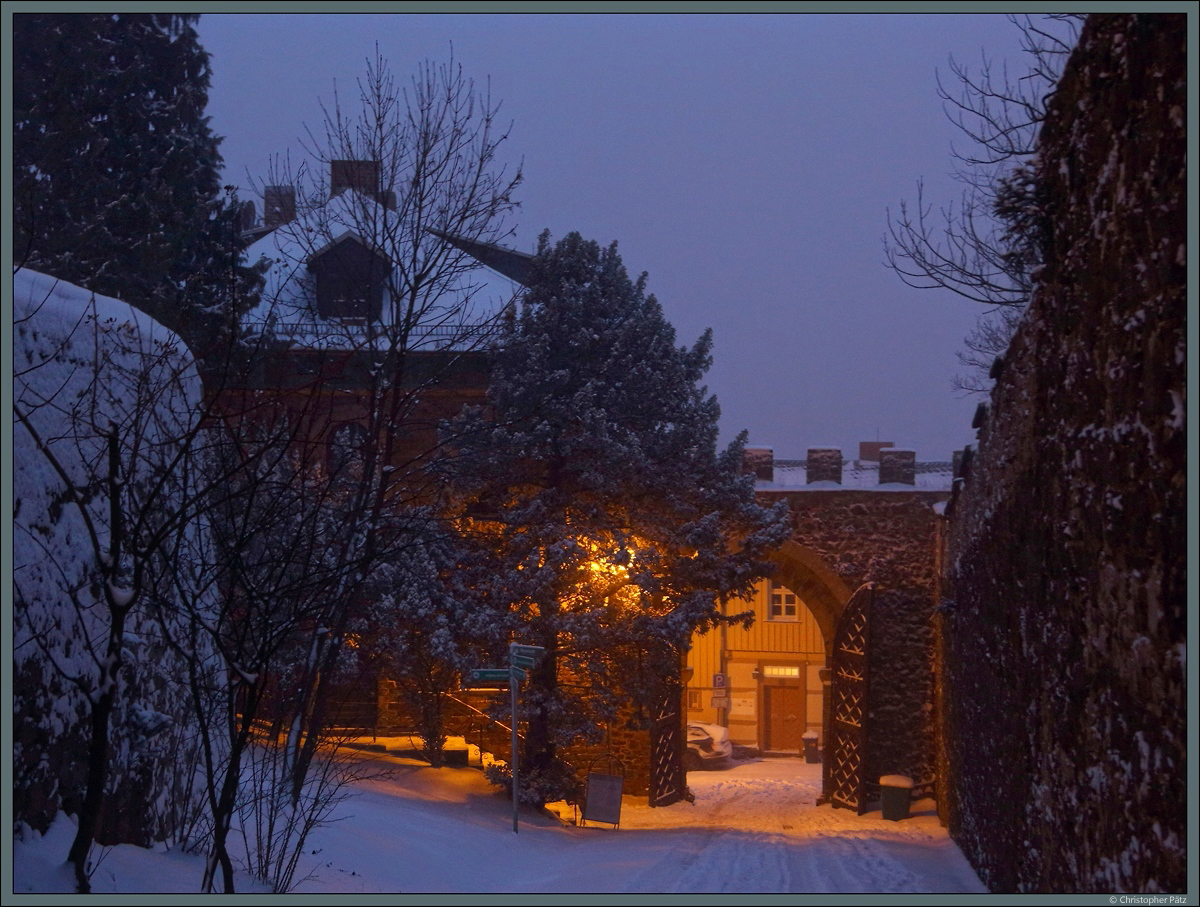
{"points": [[896, 794]]}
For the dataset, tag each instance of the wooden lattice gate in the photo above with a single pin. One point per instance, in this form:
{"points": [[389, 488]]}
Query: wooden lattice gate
{"points": [[668, 782], [847, 734]]}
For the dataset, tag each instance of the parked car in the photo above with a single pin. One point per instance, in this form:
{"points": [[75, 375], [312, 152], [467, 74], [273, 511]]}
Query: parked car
{"points": [[708, 746]]}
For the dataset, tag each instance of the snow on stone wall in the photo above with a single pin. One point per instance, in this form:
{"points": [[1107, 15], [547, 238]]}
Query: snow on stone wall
{"points": [[1064, 631]]}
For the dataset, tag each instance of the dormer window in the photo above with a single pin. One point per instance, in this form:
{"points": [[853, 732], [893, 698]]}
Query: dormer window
{"points": [[350, 277]]}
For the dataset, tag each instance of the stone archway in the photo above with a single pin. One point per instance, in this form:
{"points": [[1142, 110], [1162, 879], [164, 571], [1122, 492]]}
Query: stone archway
{"points": [[808, 575], [825, 594]]}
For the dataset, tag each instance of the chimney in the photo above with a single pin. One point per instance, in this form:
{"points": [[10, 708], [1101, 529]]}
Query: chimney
{"points": [[247, 216], [897, 465], [760, 461], [868, 451], [279, 205], [362, 176], [824, 465]]}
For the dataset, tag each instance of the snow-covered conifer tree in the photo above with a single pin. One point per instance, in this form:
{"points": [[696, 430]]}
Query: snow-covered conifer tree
{"points": [[116, 173], [607, 525], [417, 631]]}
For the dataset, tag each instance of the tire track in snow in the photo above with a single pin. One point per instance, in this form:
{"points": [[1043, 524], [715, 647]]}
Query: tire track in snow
{"points": [[739, 862], [746, 848], [846, 863], [763, 832], [759, 804]]}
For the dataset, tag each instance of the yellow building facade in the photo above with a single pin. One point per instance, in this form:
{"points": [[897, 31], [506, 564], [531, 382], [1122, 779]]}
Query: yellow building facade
{"points": [[762, 682]]}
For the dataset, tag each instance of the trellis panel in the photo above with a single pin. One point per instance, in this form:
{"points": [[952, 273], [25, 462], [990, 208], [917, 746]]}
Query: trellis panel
{"points": [[847, 736]]}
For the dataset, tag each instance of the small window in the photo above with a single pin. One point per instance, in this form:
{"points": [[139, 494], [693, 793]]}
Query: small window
{"points": [[790, 671], [783, 604], [695, 701]]}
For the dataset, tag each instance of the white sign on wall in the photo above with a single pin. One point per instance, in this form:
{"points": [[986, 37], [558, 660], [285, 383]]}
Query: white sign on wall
{"points": [[742, 705]]}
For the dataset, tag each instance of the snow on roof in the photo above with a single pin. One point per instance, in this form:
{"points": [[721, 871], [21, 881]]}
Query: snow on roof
{"points": [[858, 475], [337, 238], [472, 297]]}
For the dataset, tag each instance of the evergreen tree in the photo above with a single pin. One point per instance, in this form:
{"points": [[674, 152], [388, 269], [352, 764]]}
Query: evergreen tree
{"points": [[116, 181], [607, 526]]}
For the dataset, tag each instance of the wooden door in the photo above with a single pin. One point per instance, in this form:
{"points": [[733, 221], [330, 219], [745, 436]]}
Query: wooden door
{"points": [[786, 719]]}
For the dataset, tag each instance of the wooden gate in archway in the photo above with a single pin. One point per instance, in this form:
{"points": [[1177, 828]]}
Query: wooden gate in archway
{"points": [[847, 734], [667, 778]]}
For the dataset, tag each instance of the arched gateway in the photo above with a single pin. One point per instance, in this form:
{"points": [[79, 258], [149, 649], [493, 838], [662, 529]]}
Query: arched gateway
{"points": [[870, 523], [811, 578]]}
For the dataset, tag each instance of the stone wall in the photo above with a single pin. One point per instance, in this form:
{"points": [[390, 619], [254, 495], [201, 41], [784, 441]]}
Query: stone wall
{"points": [[891, 539], [630, 745], [464, 716], [1064, 628]]}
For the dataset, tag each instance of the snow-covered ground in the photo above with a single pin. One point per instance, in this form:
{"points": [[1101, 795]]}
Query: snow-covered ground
{"points": [[754, 827]]}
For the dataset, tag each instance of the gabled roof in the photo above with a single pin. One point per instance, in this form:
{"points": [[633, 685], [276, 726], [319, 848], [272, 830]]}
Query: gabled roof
{"points": [[288, 306], [512, 264], [347, 235]]}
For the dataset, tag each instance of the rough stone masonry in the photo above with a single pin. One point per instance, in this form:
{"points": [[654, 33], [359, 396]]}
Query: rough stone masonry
{"points": [[1062, 689]]}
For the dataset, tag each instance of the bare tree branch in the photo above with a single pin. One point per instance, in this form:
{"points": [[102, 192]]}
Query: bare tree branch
{"points": [[985, 247]]}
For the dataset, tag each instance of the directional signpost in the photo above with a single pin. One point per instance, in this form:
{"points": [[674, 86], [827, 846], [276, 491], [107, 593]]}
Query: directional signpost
{"points": [[525, 656], [519, 658]]}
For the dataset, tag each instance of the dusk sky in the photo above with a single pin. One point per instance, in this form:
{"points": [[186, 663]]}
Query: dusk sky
{"points": [[746, 162]]}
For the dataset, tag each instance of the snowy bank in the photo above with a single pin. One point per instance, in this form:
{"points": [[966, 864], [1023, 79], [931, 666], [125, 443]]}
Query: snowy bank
{"points": [[753, 828]]}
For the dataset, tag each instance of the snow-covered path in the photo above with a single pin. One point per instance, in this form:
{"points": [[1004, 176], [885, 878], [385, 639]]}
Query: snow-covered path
{"points": [[753, 828]]}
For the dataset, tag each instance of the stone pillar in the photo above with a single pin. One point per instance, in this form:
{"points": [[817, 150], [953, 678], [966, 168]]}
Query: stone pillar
{"points": [[826, 675], [824, 465], [760, 461], [361, 176], [897, 465]]}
